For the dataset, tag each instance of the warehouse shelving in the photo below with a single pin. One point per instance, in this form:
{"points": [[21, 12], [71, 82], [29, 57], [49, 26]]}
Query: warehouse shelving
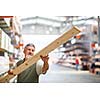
{"points": [[10, 28]]}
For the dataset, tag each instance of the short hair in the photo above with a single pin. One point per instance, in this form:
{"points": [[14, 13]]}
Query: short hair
{"points": [[30, 44]]}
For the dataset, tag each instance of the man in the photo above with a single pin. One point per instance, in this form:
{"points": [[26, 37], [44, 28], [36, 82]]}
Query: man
{"points": [[31, 74], [77, 63]]}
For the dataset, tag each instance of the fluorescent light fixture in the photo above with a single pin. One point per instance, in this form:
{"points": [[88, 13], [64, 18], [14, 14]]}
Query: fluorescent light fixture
{"points": [[73, 41], [28, 22], [41, 21], [58, 18], [62, 49], [93, 22], [47, 32], [51, 29], [78, 22], [33, 27]]}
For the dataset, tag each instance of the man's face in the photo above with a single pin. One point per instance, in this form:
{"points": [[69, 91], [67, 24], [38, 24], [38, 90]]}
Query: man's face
{"points": [[29, 51]]}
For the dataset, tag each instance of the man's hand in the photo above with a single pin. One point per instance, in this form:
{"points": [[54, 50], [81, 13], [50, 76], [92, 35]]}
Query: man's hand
{"points": [[45, 65], [44, 58], [10, 72]]}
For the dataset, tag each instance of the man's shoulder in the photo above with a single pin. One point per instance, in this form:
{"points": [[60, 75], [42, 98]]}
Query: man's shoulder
{"points": [[39, 62], [20, 62]]}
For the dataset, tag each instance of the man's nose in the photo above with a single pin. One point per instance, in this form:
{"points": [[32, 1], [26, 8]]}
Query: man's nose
{"points": [[30, 52]]}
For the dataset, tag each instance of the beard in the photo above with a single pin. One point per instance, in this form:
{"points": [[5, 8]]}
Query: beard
{"points": [[28, 56]]}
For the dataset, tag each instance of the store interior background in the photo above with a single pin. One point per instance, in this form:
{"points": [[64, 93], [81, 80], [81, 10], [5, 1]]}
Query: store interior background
{"points": [[17, 31]]}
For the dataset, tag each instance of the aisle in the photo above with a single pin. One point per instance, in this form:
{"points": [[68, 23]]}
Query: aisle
{"points": [[62, 74]]}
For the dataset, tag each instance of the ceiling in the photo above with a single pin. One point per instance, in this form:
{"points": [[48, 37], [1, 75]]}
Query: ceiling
{"points": [[51, 25], [42, 24]]}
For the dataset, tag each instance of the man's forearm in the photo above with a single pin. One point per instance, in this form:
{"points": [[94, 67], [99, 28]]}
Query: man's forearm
{"points": [[45, 67]]}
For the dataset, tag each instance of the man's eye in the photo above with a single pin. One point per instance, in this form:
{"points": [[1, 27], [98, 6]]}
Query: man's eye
{"points": [[32, 50]]}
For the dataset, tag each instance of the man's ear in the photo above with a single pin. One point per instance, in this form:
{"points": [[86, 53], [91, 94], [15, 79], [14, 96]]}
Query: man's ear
{"points": [[24, 51]]}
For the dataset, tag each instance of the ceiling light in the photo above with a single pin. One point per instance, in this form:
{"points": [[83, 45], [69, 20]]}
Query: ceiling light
{"points": [[51, 29]]}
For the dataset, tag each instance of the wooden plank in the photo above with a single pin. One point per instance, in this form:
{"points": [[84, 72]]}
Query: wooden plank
{"points": [[53, 45]]}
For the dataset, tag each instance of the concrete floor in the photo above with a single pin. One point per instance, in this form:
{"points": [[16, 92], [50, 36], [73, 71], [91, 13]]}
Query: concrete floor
{"points": [[63, 74]]}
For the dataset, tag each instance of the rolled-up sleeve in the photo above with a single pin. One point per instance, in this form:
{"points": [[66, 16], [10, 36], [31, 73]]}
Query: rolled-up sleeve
{"points": [[39, 66]]}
